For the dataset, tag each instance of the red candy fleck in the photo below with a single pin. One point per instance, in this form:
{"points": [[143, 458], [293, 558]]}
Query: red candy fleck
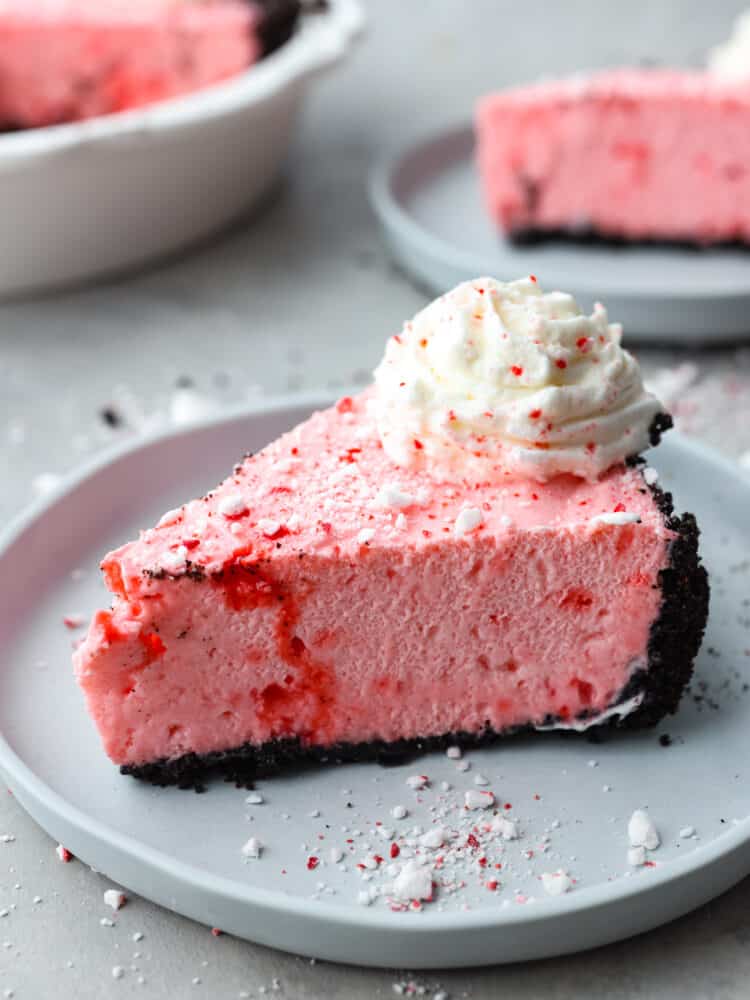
{"points": [[418, 444], [535, 414], [312, 863], [345, 404], [585, 690], [378, 859], [517, 370], [492, 885], [216, 932], [561, 363], [591, 447], [395, 850], [191, 543], [472, 841], [532, 277], [423, 342], [153, 645], [482, 862]]}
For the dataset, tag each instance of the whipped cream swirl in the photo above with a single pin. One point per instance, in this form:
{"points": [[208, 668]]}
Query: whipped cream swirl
{"points": [[731, 60], [496, 378]]}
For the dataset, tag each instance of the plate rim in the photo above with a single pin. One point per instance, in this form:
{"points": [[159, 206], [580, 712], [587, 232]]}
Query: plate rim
{"points": [[17, 773], [394, 217]]}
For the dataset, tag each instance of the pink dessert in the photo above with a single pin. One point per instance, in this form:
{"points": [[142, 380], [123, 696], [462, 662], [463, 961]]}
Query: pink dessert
{"points": [[102, 56], [629, 154], [305, 609]]}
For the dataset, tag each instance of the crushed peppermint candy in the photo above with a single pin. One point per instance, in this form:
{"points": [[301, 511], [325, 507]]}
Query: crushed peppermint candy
{"points": [[478, 800], [468, 520], [252, 848], [174, 561], [650, 476], [642, 832], [268, 527], [418, 781], [556, 883], [414, 881], [399, 812], [254, 799], [392, 495], [433, 838], [63, 854], [365, 535], [232, 505], [453, 753], [507, 828], [115, 899], [636, 856], [616, 518]]}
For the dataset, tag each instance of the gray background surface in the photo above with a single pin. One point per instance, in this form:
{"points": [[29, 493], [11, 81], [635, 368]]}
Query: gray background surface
{"points": [[303, 298]]}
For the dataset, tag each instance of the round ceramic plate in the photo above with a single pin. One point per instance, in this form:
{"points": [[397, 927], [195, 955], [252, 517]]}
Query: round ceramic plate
{"points": [[428, 199], [184, 850]]}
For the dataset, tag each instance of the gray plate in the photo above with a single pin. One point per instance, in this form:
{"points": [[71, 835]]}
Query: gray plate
{"points": [[428, 200], [183, 850]]}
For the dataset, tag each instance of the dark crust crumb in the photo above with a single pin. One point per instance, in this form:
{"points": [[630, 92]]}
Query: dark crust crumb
{"points": [[278, 22], [661, 423], [674, 642], [533, 236]]}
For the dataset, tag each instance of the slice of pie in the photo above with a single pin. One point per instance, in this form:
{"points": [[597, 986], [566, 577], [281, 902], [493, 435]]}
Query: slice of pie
{"points": [[102, 56], [468, 550], [633, 155]]}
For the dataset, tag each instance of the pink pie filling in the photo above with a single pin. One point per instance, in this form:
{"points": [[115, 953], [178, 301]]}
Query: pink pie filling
{"points": [[297, 624], [631, 153], [64, 60]]}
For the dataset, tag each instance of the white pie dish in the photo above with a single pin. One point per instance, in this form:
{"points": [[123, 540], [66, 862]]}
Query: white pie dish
{"points": [[88, 199]]}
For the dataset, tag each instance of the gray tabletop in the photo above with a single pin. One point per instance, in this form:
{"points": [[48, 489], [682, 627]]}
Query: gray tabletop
{"points": [[302, 298]]}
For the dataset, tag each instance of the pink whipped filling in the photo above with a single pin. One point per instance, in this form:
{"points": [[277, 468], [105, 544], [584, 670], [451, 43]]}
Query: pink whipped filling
{"points": [[294, 601], [102, 56], [635, 153]]}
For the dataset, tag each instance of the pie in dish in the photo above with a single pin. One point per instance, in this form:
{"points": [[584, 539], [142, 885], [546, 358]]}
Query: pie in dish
{"points": [[468, 549], [102, 56], [627, 155]]}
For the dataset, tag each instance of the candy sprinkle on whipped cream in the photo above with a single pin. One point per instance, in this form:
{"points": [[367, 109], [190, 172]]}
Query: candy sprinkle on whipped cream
{"points": [[498, 378]]}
